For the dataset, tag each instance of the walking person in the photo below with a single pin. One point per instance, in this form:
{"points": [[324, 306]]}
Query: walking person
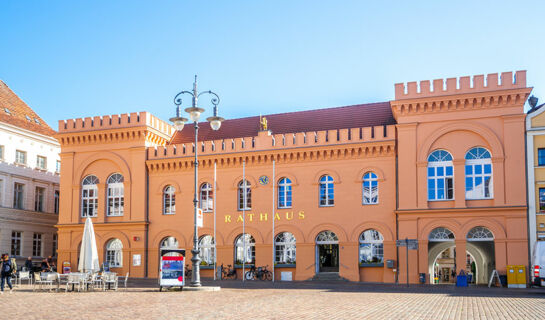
{"points": [[6, 270]]}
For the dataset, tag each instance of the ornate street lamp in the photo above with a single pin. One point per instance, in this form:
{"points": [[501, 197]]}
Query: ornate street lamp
{"points": [[179, 122]]}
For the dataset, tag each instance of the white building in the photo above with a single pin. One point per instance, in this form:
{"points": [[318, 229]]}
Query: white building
{"points": [[29, 181]]}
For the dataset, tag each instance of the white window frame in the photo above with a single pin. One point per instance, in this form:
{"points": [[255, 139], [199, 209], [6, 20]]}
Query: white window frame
{"points": [[41, 162], [244, 202], [58, 166], [207, 247], [169, 200], [327, 184], [39, 199], [20, 157], [368, 191], [206, 201], [89, 196], [285, 193], [115, 199], [373, 240], [285, 248], [114, 253], [473, 176], [17, 240], [435, 166], [37, 247], [250, 248], [19, 196]]}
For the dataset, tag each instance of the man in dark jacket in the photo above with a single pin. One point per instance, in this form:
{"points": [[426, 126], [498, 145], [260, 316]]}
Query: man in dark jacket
{"points": [[6, 269], [28, 264]]}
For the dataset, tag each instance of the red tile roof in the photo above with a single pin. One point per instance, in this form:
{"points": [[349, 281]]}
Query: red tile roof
{"points": [[19, 111], [356, 116]]}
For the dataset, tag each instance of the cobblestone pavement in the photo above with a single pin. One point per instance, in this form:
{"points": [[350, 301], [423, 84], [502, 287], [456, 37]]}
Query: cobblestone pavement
{"points": [[298, 300]]}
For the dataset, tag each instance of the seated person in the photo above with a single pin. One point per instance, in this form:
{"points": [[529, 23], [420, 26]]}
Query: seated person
{"points": [[45, 266]]}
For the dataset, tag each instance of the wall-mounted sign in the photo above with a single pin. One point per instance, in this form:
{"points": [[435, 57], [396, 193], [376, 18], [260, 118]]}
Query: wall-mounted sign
{"points": [[264, 216], [263, 180], [136, 260]]}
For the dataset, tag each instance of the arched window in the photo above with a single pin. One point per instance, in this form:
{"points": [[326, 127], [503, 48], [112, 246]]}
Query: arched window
{"points": [[207, 197], [327, 237], [89, 196], [114, 253], [244, 241], [370, 188], [440, 176], [441, 234], [326, 191], [284, 193], [169, 200], [478, 174], [244, 195], [115, 195], [284, 248], [480, 234], [207, 249], [170, 243], [371, 247]]}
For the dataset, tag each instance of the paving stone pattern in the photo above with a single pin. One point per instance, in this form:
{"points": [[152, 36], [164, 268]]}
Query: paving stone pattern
{"points": [[259, 300]]}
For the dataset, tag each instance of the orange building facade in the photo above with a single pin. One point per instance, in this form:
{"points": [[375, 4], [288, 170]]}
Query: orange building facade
{"points": [[444, 166]]}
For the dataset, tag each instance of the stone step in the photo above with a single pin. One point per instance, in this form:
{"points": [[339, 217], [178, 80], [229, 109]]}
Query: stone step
{"points": [[328, 276]]}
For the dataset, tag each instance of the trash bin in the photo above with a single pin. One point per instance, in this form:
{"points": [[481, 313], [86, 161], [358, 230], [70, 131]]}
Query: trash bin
{"points": [[461, 279], [422, 278]]}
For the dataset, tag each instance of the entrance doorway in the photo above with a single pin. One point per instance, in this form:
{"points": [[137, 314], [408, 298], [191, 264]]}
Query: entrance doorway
{"points": [[327, 252], [441, 256]]}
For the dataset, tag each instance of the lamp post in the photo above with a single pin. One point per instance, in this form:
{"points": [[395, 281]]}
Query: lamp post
{"points": [[215, 123]]}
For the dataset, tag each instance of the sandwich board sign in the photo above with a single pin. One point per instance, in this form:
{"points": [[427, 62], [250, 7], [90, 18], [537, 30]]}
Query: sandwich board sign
{"points": [[172, 268]]}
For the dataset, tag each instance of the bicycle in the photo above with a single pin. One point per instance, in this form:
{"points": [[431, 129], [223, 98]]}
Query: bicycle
{"points": [[187, 272], [228, 273], [265, 274]]}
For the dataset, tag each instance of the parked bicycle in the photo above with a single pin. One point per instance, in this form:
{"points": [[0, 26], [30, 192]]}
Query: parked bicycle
{"points": [[260, 273], [228, 273]]}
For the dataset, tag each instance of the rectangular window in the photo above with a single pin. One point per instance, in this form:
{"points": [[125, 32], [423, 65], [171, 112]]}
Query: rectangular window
{"points": [[18, 195], [440, 182], [542, 200], [20, 157], [1, 152], [16, 243], [54, 246], [541, 157], [41, 162], [37, 245], [1, 192], [58, 166], [57, 199], [39, 199]]}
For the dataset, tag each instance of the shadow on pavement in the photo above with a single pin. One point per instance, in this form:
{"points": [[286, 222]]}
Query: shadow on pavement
{"points": [[346, 286]]}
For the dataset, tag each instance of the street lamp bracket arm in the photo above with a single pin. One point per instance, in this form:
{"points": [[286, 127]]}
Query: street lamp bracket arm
{"points": [[215, 99], [178, 97]]}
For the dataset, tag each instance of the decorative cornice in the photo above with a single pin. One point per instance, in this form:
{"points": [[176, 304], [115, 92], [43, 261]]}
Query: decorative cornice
{"points": [[460, 102], [287, 155]]}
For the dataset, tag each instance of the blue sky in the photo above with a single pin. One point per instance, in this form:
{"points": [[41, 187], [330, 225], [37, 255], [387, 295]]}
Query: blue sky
{"points": [[71, 59]]}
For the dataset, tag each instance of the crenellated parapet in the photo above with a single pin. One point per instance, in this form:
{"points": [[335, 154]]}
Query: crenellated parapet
{"points": [[460, 94], [113, 128], [462, 85], [376, 141]]}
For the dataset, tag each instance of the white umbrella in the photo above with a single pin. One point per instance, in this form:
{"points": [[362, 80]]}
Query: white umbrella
{"points": [[88, 256]]}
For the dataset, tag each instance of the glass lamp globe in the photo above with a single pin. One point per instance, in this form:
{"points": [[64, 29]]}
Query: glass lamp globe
{"points": [[194, 113], [178, 122], [215, 122]]}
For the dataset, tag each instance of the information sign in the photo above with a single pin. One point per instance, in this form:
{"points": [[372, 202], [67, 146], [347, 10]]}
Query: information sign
{"points": [[171, 268], [66, 268]]}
